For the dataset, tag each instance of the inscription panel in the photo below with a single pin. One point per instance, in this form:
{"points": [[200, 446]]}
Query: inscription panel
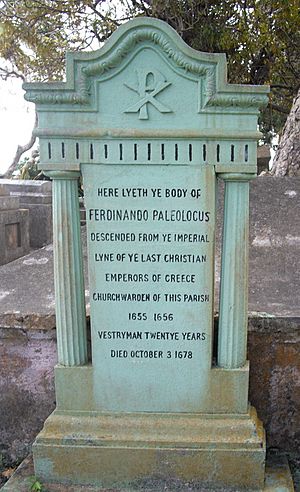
{"points": [[151, 254]]}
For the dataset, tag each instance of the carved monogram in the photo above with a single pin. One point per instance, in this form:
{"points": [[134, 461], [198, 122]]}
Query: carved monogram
{"points": [[149, 84]]}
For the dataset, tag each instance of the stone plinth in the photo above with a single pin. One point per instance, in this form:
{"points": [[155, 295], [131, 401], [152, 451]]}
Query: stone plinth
{"points": [[136, 451], [277, 478]]}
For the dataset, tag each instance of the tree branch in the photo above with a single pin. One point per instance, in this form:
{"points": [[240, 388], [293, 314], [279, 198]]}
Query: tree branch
{"points": [[282, 86], [278, 108], [20, 151], [6, 74], [104, 17]]}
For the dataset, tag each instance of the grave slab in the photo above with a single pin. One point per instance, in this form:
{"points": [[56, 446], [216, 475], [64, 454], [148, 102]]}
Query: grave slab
{"points": [[26, 186], [35, 196]]}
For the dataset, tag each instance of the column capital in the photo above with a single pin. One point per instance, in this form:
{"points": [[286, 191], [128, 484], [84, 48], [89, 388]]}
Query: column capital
{"points": [[236, 176], [62, 174]]}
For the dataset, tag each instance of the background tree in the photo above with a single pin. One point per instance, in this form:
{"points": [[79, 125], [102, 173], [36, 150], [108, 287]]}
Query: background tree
{"points": [[286, 161], [261, 39]]}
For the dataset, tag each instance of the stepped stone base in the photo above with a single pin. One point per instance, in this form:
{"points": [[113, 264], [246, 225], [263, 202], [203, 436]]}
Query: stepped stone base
{"points": [[140, 451], [277, 478]]}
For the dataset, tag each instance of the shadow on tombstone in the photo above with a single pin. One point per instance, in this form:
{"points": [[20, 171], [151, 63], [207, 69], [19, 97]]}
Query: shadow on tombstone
{"points": [[151, 125]]}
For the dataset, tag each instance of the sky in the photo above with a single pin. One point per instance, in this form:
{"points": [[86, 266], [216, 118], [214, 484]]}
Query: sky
{"points": [[16, 120]]}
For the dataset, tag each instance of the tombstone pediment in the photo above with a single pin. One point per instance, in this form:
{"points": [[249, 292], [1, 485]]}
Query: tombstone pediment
{"points": [[146, 83], [181, 77]]}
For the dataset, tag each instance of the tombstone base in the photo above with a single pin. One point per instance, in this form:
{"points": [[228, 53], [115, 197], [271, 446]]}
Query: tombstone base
{"points": [[278, 477], [140, 450]]}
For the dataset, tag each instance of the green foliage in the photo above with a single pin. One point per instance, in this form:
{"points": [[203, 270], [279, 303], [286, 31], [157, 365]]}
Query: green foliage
{"points": [[36, 486], [261, 38], [28, 167], [36, 34]]}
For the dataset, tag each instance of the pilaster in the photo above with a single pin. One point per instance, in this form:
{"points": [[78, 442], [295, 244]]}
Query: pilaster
{"points": [[68, 270], [233, 311]]}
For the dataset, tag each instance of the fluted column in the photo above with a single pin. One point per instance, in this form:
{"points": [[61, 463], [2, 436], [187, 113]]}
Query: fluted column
{"points": [[68, 270], [233, 310]]}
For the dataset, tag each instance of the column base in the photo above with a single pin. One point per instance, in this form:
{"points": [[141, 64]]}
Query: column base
{"points": [[136, 451]]}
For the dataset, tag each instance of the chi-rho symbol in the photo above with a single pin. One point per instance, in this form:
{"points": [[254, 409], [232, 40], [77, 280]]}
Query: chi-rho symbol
{"points": [[149, 84]]}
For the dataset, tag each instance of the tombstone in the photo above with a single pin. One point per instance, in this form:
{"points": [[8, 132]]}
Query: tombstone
{"points": [[150, 124], [263, 158], [36, 196], [14, 228]]}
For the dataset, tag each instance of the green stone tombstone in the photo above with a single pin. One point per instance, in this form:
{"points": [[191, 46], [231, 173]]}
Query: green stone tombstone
{"points": [[150, 124]]}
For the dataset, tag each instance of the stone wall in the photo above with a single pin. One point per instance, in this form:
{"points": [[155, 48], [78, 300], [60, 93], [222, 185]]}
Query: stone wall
{"points": [[27, 392], [273, 351], [27, 358]]}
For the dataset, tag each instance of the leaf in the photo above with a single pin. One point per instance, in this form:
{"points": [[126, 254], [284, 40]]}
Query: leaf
{"points": [[36, 487], [8, 472]]}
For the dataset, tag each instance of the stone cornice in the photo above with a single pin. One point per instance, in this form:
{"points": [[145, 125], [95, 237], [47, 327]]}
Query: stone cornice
{"points": [[238, 100], [48, 95]]}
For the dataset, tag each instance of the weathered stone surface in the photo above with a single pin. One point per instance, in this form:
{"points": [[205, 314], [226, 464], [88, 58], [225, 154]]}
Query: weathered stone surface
{"points": [[275, 246], [36, 196], [14, 234], [273, 351], [9, 203], [118, 450], [277, 478], [32, 198], [40, 224], [26, 186], [26, 388], [3, 190], [27, 307], [263, 158]]}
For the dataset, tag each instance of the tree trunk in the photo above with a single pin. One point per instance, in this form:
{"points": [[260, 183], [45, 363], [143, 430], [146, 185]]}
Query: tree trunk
{"points": [[287, 157], [20, 151]]}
